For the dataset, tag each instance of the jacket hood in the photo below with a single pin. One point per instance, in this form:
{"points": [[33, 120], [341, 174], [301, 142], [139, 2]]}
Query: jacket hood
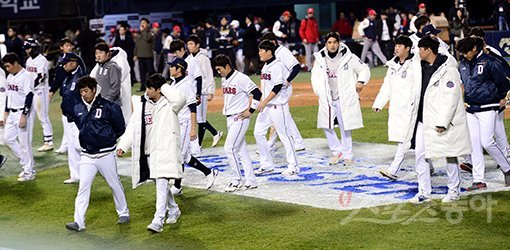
{"points": [[118, 52]]}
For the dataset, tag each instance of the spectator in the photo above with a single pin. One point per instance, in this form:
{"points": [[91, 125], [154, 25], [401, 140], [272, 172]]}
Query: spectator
{"points": [[352, 18], [158, 47], [367, 29], [15, 45], [281, 28], [125, 41], [459, 27], [422, 11], [309, 32], [210, 35], [250, 47], [225, 38], [502, 13], [144, 48], [238, 44], [342, 27], [385, 28]]}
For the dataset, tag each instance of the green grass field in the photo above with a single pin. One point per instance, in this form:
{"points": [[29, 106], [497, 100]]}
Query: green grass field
{"points": [[33, 214]]}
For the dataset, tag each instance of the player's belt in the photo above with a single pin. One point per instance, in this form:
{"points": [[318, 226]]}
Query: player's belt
{"points": [[15, 110]]}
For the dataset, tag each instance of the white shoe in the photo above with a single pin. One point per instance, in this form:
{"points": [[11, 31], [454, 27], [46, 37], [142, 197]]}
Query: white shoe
{"points": [[262, 171], [176, 191], [21, 174], [388, 175], [46, 147], [451, 196], [26, 177], [232, 187], [154, 227], [217, 138], [61, 151], [348, 162], [419, 199], [172, 216], [211, 177], [71, 181], [289, 172], [335, 159]]}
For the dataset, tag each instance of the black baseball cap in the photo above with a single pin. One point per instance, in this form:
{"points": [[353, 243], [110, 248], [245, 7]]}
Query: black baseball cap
{"points": [[179, 62], [430, 29], [68, 57]]}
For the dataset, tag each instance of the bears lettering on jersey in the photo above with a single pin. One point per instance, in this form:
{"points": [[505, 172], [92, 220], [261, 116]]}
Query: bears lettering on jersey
{"points": [[13, 87], [31, 69], [265, 76], [229, 90]]}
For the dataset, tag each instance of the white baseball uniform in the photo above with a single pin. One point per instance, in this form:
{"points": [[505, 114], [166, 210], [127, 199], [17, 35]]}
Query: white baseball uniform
{"points": [[184, 115], [236, 94], [193, 71], [19, 140], [208, 84], [273, 74], [3, 89], [288, 59], [38, 67]]}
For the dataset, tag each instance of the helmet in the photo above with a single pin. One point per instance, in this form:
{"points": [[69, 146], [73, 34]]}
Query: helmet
{"points": [[31, 43]]}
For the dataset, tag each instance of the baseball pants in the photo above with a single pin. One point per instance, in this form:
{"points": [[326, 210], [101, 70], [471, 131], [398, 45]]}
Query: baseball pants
{"points": [[73, 149], [89, 167], [19, 140], [41, 105], [344, 145], [63, 145], [374, 46], [398, 159], [500, 133], [293, 130], [423, 167], [274, 115], [164, 200], [310, 48], [236, 150], [481, 131], [185, 125]]}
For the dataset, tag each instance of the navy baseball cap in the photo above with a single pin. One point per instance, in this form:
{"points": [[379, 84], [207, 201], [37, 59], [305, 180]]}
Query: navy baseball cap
{"points": [[430, 29], [68, 57], [30, 43], [179, 62]]}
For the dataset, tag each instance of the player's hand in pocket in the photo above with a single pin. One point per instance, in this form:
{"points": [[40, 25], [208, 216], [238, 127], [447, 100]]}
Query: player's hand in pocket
{"points": [[23, 121]]}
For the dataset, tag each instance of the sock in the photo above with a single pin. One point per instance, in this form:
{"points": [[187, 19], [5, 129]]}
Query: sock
{"points": [[211, 129], [201, 133], [199, 166]]}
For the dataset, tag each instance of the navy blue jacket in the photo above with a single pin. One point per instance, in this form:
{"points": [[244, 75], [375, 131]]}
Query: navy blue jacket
{"points": [[70, 92], [100, 127], [485, 82]]}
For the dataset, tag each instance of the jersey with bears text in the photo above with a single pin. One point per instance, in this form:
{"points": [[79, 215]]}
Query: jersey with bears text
{"points": [[273, 74], [236, 93], [18, 86], [36, 66]]}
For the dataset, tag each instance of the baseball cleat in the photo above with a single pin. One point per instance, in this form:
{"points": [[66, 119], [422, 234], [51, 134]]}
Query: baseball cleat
{"points": [[155, 228], [3, 159], [123, 220], [211, 177], [46, 147], [289, 172], [172, 216], [468, 167], [176, 191], [73, 226], [419, 199], [387, 174], [61, 151], [261, 171], [452, 196], [26, 177], [477, 186], [232, 187], [335, 159], [217, 138], [71, 181]]}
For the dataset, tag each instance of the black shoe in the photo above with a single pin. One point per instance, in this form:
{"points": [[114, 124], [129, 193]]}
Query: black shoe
{"points": [[73, 226], [468, 167], [477, 186], [3, 159]]}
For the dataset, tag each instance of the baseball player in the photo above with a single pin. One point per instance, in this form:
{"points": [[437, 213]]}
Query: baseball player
{"points": [[208, 87], [237, 88], [70, 97], [398, 88], [338, 76], [485, 88], [187, 122], [439, 120], [155, 139], [19, 115], [108, 74], [37, 65], [194, 71], [272, 111], [3, 89], [100, 123], [292, 67]]}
